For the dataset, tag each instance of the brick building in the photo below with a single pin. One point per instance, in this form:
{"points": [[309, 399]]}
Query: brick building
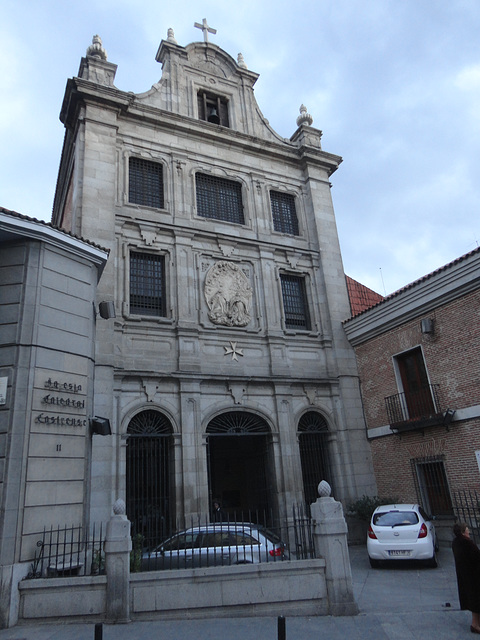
{"points": [[417, 353]]}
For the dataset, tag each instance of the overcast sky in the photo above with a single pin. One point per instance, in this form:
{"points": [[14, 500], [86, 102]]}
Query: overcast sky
{"points": [[393, 84]]}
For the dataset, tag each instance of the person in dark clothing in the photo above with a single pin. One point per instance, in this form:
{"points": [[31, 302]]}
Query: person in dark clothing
{"points": [[467, 565], [218, 515]]}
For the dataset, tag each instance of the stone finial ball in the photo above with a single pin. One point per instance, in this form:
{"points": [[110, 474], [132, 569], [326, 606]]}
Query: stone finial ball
{"points": [[119, 507], [324, 489]]}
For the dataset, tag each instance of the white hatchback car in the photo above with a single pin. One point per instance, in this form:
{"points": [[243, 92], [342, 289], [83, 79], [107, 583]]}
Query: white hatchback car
{"points": [[401, 532]]}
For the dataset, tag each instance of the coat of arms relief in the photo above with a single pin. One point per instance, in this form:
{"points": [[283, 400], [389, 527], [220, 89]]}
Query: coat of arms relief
{"points": [[228, 294]]}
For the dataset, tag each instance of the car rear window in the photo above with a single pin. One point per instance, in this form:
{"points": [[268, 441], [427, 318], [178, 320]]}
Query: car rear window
{"points": [[181, 541], [395, 518], [270, 535], [228, 539]]}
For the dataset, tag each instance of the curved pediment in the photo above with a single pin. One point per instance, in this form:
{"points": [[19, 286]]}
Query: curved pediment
{"points": [[202, 75], [213, 60]]}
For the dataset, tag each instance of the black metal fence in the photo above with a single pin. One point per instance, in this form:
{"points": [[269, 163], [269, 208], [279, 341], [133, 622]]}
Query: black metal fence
{"points": [[69, 551], [240, 539], [466, 507]]}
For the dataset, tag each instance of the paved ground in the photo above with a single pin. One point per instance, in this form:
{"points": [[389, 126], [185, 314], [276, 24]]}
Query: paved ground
{"points": [[395, 602]]}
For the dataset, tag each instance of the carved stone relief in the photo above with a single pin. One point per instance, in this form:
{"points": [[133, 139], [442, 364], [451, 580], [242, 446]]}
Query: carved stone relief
{"points": [[228, 294]]}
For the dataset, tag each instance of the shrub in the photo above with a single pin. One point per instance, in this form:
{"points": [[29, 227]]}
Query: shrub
{"points": [[136, 553], [362, 508]]}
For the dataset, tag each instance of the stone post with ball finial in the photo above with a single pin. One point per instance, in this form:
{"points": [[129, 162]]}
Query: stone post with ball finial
{"points": [[118, 545], [330, 533]]}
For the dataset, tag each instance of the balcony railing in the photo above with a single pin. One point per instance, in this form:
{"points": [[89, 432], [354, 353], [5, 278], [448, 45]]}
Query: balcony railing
{"points": [[412, 410]]}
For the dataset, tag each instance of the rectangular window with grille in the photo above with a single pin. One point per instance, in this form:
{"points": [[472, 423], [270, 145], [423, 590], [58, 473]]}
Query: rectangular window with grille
{"points": [[432, 485], [295, 302], [147, 284], [145, 183], [212, 108], [219, 198], [284, 213]]}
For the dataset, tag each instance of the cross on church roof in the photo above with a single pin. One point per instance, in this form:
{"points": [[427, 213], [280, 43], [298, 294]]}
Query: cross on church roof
{"points": [[205, 28]]}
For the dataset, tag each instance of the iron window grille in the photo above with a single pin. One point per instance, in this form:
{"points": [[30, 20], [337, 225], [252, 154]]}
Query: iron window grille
{"points": [[145, 183], [431, 484], [284, 213], [147, 284], [208, 102], [219, 198], [313, 438], [238, 422], [295, 302]]}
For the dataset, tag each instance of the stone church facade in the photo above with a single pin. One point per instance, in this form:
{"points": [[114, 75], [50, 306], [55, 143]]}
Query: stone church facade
{"points": [[225, 371]]}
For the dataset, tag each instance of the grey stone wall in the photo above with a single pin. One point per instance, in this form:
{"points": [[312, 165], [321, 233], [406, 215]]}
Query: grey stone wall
{"points": [[46, 351], [180, 364]]}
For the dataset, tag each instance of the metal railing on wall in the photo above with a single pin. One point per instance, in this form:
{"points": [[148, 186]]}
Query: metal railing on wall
{"points": [[69, 551], [415, 408], [237, 538], [466, 507]]}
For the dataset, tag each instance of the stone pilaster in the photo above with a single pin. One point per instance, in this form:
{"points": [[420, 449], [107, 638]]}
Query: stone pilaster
{"points": [[118, 545]]}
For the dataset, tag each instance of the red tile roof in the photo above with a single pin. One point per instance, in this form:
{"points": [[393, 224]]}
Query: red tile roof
{"points": [[357, 307], [361, 297]]}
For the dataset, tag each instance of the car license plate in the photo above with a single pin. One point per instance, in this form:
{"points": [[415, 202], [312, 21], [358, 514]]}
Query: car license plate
{"points": [[399, 552]]}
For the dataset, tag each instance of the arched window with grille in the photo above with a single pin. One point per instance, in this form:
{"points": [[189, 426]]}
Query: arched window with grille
{"points": [[314, 454], [149, 470], [240, 465]]}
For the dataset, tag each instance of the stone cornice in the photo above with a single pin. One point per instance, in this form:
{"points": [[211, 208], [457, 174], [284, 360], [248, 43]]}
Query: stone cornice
{"points": [[128, 107], [15, 226], [461, 415]]}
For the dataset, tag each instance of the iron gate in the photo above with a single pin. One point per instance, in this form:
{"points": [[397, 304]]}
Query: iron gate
{"points": [[149, 470], [314, 454], [240, 467]]}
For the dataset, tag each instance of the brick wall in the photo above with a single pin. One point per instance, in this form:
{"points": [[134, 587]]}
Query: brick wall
{"points": [[392, 457], [452, 357]]}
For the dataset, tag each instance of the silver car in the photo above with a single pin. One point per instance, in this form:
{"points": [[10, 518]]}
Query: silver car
{"points": [[216, 545]]}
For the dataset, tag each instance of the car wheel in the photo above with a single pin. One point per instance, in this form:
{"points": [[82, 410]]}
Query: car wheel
{"points": [[433, 561], [375, 564]]}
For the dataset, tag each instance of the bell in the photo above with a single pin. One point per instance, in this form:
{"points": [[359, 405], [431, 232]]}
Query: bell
{"points": [[213, 116]]}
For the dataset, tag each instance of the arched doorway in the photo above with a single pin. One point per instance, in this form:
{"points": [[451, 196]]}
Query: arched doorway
{"points": [[240, 468], [150, 508], [314, 454]]}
